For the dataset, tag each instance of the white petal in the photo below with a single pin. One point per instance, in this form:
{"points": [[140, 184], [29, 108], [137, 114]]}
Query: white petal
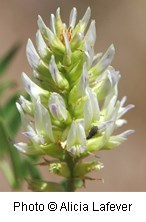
{"points": [[91, 34], [35, 74], [89, 52], [43, 121], [43, 28], [95, 105], [71, 138], [81, 136], [102, 126], [120, 122], [82, 149], [123, 101], [28, 149], [113, 76], [26, 105], [114, 113], [84, 80], [41, 45], [38, 117], [57, 106], [19, 108], [32, 55], [30, 134], [109, 130], [54, 70], [67, 45], [31, 88], [76, 40], [126, 133], [108, 56], [33, 136], [88, 113], [52, 23], [45, 31], [84, 21], [22, 147], [109, 105], [51, 36], [65, 26], [24, 119], [124, 110], [118, 139], [56, 98], [96, 58], [106, 59], [58, 12], [73, 17]]}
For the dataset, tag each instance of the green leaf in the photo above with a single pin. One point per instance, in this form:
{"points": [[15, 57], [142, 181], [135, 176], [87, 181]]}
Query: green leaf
{"points": [[18, 169], [11, 115], [5, 85], [5, 61], [4, 143], [8, 172], [29, 168], [7, 149]]}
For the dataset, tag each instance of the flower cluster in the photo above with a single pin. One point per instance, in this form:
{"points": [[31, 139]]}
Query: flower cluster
{"points": [[73, 108]]}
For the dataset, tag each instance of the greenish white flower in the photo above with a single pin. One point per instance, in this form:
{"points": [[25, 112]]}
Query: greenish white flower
{"points": [[57, 107], [26, 105], [33, 89], [74, 96], [76, 139]]}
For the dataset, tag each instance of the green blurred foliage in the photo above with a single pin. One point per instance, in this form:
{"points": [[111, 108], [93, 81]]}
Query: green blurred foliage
{"points": [[14, 167]]}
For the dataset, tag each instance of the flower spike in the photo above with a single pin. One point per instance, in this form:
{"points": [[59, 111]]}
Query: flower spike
{"points": [[74, 108]]}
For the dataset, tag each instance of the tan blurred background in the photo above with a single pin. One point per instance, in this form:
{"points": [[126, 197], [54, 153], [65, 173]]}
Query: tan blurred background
{"points": [[120, 22]]}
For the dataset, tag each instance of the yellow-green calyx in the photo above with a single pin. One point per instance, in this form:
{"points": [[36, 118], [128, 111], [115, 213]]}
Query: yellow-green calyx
{"points": [[74, 107]]}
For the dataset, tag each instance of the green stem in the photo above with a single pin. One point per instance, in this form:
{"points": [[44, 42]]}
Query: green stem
{"points": [[70, 187]]}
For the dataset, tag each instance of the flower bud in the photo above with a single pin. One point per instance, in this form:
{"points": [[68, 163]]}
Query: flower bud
{"points": [[34, 90], [28, 149], [54, 42], [77, 41], [43, 50], [26, 105], [59, 24], [60, 169], [60, 81], [81, 169], [57, 107]]}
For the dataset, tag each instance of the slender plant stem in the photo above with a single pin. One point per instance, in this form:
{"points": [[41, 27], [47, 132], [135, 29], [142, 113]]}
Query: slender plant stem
{"points": [[70, 181]]}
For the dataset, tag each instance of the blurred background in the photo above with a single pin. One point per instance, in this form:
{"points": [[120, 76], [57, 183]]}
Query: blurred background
{"points": [[120, 22]]}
